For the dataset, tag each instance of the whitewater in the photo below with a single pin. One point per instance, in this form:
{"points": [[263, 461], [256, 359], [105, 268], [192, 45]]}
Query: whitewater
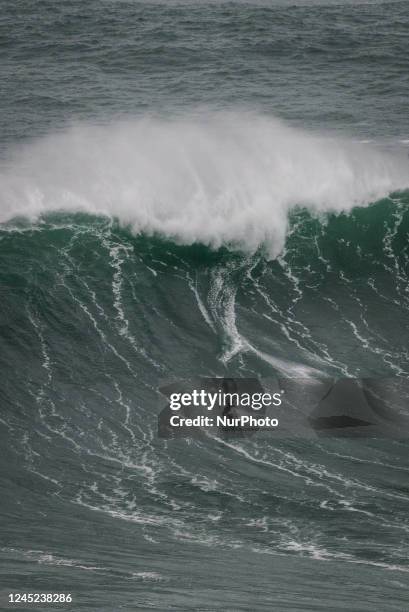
{"points": [[228, 179]]}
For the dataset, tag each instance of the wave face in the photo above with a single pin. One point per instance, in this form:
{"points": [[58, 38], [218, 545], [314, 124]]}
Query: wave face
{"points": [[230, 179], [94, 318]]}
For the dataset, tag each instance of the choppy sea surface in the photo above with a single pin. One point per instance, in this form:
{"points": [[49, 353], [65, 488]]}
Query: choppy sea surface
{"points": [[200, 189]]}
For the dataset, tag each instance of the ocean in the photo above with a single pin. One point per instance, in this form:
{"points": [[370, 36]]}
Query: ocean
{"points": [[214, 189]]}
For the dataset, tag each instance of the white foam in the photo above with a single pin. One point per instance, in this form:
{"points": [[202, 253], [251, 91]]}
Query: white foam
{"points": [[221, 179]]}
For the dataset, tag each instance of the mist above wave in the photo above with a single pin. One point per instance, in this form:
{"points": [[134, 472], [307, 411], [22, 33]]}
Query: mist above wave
{"points": [[223, 179]]}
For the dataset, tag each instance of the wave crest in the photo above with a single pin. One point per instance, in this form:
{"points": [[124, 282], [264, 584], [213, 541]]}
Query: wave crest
{"points": [[223, 179]]}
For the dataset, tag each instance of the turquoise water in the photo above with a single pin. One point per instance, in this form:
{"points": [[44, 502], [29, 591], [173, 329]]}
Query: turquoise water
{"points": [[200, 189]]}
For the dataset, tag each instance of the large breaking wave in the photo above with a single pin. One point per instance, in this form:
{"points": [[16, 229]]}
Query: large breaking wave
{"points": [[93, 318]]}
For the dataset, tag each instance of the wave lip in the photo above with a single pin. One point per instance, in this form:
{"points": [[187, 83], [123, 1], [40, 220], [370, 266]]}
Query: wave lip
{"points": [[227, 179]]}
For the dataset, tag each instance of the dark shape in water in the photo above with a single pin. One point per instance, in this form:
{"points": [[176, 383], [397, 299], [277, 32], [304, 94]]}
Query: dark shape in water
{"points": [[342, 420]]}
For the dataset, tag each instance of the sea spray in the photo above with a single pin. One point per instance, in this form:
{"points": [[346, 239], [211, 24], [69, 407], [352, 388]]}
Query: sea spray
{"points": [[226, 179]]}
